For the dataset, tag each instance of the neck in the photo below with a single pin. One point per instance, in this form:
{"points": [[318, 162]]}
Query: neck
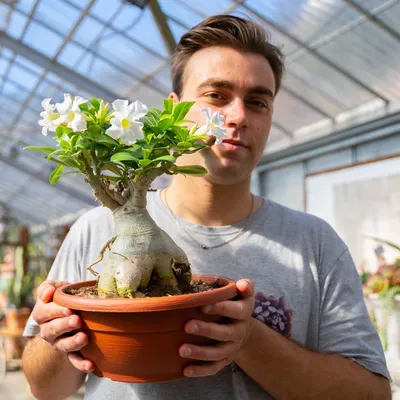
{"points": [[204, 203]]}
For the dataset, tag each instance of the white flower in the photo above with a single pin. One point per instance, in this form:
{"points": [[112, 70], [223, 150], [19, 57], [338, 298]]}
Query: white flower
{"points": [[49, 117], [125, 124], [215, 123], [71, 114]]}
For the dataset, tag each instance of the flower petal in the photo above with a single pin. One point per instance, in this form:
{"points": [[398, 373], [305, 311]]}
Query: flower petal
{"points": [[120, 106], [131, 135], [115, 132], [137, 110], [202, 130], [218, 119], [207, 112], [77, 101], [78, 124], [44, 130], [66, 105], [46, 104]]}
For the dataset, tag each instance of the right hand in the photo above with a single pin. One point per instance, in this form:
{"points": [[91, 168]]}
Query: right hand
{"points": [[57, 325]]}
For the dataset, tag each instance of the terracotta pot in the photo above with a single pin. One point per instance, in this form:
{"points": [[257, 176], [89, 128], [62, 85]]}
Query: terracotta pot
{"points": [[16, 318], [137, 340]]}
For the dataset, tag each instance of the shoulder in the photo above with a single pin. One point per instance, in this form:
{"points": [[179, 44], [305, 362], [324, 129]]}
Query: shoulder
{"points": [[96, 219], [306, 233]]}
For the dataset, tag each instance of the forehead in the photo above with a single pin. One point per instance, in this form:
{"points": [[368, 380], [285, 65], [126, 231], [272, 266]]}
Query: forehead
{"points": [[222, 63]]}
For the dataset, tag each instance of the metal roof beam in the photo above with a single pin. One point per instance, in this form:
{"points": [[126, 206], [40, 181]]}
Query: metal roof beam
{"points": [[40, 177], [388, 29], [282, 129], [163, 27], [317, 55], [56, 68]]}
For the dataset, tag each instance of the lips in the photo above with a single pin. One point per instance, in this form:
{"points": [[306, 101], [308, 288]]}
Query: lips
{"points": [[234, 142]]}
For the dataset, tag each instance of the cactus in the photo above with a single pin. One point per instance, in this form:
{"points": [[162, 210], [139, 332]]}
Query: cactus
{"points": [[20, 288]]}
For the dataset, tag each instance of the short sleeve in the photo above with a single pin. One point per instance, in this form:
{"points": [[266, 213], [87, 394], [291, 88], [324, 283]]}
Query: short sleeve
{"points": [[345, 326], [66, 267]]}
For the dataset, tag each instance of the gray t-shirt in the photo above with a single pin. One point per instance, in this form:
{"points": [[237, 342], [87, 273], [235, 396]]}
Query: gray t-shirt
{"points": [[307, 289]]}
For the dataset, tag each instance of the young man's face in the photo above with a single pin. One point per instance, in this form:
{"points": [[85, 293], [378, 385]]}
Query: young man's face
{"points": [[240, 86]]}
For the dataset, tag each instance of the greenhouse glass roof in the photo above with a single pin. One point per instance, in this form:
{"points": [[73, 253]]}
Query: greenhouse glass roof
{"points": [[342, 60]]}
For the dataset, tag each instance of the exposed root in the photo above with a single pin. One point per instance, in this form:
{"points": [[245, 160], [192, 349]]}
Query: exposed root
{"points": [[102, 251]]}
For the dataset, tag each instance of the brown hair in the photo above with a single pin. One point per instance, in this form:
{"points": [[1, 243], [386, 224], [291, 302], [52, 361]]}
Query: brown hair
{"points": [[225, 30]]}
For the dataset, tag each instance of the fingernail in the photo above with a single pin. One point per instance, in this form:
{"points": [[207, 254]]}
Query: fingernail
{"points": [[189, 372], [194, 328], [79, 339], [188, 351], [207, 309], [71, 322]]}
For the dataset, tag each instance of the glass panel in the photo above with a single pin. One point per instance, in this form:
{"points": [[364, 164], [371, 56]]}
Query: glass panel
{"points": [[129, 15], [176, 30], [3, 65], [186, 15], [57, 14], [42, 39], [146, 32], [71, 56], [88, 31], [163, 79], [23, 77], [17, 24], [104, 9], [25, 5], [15, 92], [77, 3], [29, 65], [207, 7], [391, 17]]}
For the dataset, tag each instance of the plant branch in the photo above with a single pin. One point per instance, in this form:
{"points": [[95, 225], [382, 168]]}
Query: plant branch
{"points": [[99, 190]]}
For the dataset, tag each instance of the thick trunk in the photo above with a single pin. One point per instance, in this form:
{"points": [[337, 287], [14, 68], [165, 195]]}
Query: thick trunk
{"points": [[139, 246]]}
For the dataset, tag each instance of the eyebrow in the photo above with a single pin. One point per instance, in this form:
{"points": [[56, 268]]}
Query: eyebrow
{"points": [[259, 89]]}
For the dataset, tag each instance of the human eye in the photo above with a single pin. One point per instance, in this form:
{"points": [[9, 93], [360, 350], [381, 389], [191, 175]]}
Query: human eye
{"points": [[214, 96]]}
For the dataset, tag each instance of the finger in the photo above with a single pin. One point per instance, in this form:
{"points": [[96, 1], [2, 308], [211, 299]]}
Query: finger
{"points": [[245, 287], [52, 330], [43, 313], [208, 353], [46, 289], [206, 369], [80, 363], [68, 344], [239, 309], [221, 332]]}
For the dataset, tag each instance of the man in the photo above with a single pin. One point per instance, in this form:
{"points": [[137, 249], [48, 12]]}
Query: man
{"points": [[306, 334]]}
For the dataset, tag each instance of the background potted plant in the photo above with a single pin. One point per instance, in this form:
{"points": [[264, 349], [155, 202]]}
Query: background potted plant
{"points": [[382, 293], [147, 275], [19, 295]]}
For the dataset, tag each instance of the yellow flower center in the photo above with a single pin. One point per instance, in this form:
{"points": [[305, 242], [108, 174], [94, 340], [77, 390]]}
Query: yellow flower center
{"points": [[53, 116], [71, 115], [125, 123]]}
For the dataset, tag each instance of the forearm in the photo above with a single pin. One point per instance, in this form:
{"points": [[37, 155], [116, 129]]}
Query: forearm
{"points": [[290, 372], [49, 372]]}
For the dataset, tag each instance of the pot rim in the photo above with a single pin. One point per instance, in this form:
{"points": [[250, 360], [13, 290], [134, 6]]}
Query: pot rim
{"points": [[147, 304]]}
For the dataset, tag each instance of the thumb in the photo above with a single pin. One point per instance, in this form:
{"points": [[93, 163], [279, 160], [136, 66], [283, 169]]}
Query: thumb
{"points": [[245, 287]]}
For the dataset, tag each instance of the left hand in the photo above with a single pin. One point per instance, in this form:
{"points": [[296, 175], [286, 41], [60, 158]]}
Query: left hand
{"points": [[232, 336]]}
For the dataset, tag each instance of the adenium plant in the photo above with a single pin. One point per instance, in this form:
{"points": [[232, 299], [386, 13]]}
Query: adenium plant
{"points": [[121, 151]]}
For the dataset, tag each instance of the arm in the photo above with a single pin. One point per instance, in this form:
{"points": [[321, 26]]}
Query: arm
{"points": [[288, 371], [278, 365], [52, 361], [48, 370]]}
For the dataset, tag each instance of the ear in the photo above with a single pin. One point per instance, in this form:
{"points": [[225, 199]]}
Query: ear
{"points": [[174, 97]]}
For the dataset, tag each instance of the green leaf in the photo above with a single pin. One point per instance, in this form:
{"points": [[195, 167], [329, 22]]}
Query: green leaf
{"points": [[111, 167], [144, 163], [84, 107], [124, 156], [388, 243], [181, 109], [38, 148], [180, 133], [56, 174], [155, 112], [95, 103], [184, 145], [193, 170], [94, 130], [84, 143], [62, 129], [107, 140], [146, 153], [168, 105], [165, 123], [170, 159]]}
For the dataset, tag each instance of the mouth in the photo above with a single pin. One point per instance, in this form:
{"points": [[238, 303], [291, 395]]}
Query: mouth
{"points": [[234, 143]]}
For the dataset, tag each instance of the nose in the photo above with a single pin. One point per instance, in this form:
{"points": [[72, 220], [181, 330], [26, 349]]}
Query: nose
{"points": [[236, 115]]}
